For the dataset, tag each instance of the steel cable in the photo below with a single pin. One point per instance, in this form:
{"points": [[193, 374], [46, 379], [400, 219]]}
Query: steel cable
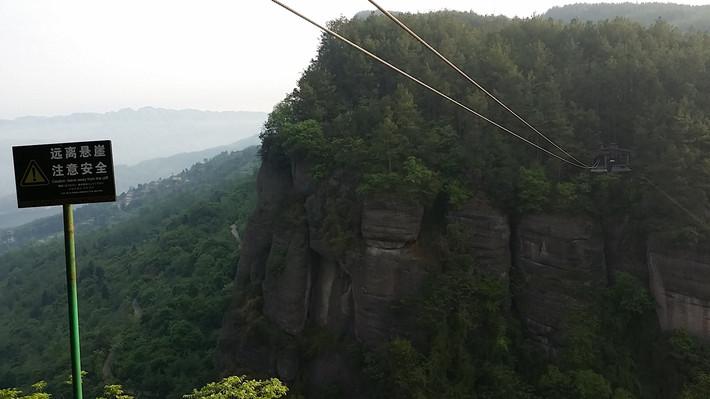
{"points": [[470, 79], [421, 83]]}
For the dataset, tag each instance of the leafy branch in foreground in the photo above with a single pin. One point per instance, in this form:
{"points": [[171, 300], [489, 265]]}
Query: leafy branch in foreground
{"points": [[228, 388], [240, 388]]}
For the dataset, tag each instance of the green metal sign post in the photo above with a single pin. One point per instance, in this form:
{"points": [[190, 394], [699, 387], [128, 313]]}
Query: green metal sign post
{"points": [[66, 174], [73, 301]]}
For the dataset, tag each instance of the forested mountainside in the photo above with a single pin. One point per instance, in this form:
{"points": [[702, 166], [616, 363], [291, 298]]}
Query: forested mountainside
{"points": [[685, 17], [155, 277], [401, 248]]}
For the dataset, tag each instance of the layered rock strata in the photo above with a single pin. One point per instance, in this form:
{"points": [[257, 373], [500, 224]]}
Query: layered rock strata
{"points": [[316, 256], [560, 265], [680, 283]]}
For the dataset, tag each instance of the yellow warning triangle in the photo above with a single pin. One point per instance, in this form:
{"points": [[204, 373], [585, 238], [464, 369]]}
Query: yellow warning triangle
{"points": [[34, 176]]}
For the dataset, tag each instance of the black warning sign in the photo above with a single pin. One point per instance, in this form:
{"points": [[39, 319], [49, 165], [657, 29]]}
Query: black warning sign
{"points": [[64, 173]]}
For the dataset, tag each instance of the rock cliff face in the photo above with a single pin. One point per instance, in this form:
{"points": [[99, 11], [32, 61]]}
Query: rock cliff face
{"points": [[680, 283], [306, 277], [316, 257], [485, 233], [560, 263], [389, 269]]}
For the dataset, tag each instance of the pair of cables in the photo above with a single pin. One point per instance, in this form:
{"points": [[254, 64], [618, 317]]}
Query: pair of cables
{"points": [[567, 158]]}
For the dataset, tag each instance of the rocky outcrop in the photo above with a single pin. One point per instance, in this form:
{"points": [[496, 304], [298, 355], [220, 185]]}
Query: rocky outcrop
{"points": [[286, 286], [479, 229], [559, 263], [273, 186], [316, 257], [238, 353], [390, 223], [390, 269], [381, 279], [331, 291], [680, 283], [319, 257]]}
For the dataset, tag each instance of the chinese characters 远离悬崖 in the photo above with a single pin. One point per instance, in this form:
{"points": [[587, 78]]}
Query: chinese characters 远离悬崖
{"points": [[86, 167]]}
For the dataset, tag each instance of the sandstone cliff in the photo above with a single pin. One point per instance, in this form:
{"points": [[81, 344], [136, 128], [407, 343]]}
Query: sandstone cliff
{"points": [[680, 283], [317, 256]]}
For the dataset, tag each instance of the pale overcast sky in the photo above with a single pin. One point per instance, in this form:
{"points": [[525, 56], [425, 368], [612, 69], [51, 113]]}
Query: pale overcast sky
{"points": [[60, 57]]}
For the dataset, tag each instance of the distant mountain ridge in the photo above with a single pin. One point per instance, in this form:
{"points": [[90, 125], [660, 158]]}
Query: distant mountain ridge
{"points": [[154, 169], [126, 177], [137, 134], [683, 16]]}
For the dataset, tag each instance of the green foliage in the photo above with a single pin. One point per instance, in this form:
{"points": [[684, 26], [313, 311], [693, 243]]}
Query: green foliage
{"points": [[416, 174], [590, 385], [156, 284], [555, 384], [627, 300], [605, 345], [114, 392], [468, 346], [621, 393], [400, 370], [9, 393], [240, 388], [689, 356], [70, 380], [152, 288], [578, 384], [413, 178], [533, 190], [304, 139], [227, 388], [699, 389], [38, 389], [582, 84], [567, 196], [457, 193], [683, 344]]}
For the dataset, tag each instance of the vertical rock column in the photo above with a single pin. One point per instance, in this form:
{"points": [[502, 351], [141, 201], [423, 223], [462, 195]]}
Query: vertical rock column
{"points": [[559, 263], [484, 232], [389, 269], [287, 283], [680, 283], [235, 351]]}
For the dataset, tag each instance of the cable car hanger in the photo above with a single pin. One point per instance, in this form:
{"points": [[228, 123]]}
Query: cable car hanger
{"points": [[612, 159]]}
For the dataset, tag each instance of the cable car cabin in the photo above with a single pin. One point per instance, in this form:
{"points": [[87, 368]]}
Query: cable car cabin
{"points": [[612, 159]]}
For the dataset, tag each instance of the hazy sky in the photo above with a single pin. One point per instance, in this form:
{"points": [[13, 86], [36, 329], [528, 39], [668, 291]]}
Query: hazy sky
{"points": [[59, 57]]}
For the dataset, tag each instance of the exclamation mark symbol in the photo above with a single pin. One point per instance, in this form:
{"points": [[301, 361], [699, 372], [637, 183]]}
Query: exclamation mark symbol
{"points": [[34, 176]]}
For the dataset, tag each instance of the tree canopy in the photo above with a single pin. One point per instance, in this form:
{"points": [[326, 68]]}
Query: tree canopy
{"points": [[583, 84]]}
